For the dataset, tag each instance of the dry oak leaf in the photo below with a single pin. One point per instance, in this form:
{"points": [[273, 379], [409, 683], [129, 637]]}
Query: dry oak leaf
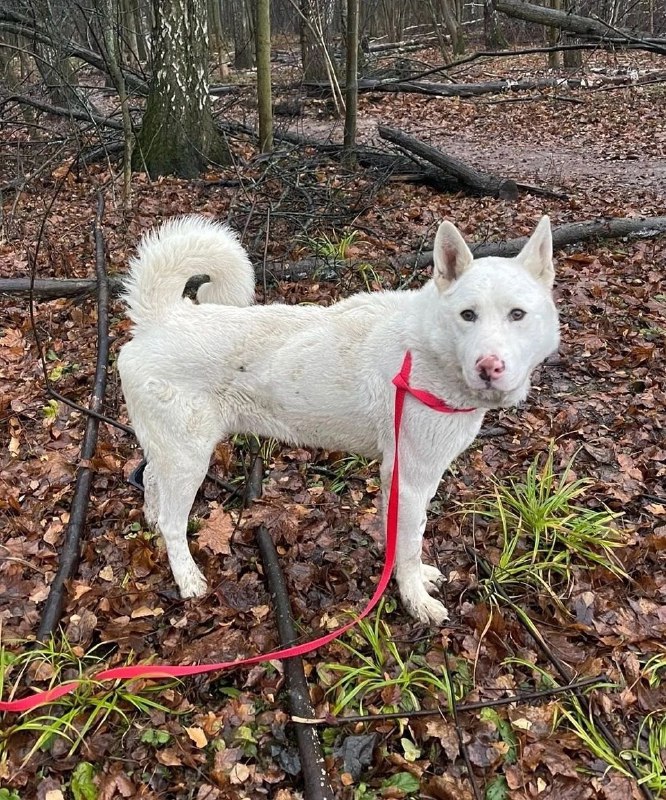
{"points": [[216, 532]]}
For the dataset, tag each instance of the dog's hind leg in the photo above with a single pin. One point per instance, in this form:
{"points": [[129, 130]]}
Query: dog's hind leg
{"points": [[178, 478], [151, 497]]}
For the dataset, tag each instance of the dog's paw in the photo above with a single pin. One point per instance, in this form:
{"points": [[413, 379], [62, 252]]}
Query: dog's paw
{"points": [[427, 610], [192, 585], [432, 578], [419, 604]]}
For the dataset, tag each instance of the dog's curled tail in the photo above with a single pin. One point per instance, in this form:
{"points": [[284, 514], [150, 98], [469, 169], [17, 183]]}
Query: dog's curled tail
{"points": [[168, 256]]}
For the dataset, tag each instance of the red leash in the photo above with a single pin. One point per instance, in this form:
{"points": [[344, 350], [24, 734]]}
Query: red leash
{"points": [[401, 382]]}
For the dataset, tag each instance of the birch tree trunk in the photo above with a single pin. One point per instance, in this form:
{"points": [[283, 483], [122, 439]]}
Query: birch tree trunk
{"points": [[178, 135]]}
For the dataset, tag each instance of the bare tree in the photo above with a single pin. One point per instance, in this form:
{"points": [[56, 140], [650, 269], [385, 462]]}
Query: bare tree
{"points": [[494, 38], [178, 135], [351, 82], [573, 59], [238, 18], [263, 47], [314, 24]]}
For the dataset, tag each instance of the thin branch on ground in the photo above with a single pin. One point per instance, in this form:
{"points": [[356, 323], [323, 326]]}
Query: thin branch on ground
{"points": [[68, 559], [515, 699], [313, 764], [459, 731]]}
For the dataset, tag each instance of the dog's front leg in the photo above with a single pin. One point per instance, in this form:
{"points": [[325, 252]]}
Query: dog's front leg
{"points": [[414, 578]]}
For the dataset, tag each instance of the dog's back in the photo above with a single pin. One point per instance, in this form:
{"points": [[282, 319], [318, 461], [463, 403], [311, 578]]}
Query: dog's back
{"points": [[170, 255]]}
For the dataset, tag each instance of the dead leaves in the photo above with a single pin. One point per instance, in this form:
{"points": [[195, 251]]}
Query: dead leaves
{"points": [[217, 531]]}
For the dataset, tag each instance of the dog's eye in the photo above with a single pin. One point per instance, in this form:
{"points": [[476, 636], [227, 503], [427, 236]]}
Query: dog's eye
{"points": [[468, 315], [516, 314]]}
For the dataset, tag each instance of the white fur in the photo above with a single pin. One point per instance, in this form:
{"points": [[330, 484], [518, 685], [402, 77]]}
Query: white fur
{"points": [[321, 377]]}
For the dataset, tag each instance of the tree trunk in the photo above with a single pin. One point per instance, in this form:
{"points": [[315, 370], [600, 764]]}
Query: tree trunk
{"points": [[553, 36], [454, 27], [583, 26], [112, 54], [243, 34], [351, 83], [263, 48], [573, 59], [314, 54], [178, 135], [494, 38]]}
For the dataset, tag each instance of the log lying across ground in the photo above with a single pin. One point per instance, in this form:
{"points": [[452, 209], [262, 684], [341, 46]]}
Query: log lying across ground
{"points": [[437, 89], [563, 235], [468, 176], [573, 23]]}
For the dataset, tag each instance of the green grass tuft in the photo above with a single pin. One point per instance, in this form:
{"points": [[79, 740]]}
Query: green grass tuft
{"points": [[544, 534]]}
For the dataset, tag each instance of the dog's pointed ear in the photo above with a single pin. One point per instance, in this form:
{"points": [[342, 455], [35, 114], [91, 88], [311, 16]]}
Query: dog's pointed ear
{"points": [[450, 255], [537, 255]]}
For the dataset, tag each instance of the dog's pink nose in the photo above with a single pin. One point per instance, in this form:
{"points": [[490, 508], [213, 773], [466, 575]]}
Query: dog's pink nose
{"points": [[489, 367]]}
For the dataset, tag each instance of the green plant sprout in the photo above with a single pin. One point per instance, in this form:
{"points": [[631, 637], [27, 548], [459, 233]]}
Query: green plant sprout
{"points": [[330, 248], [380, 671], [345, 468], [76, 715], [654, 669], [544, 534], [646, 756]]}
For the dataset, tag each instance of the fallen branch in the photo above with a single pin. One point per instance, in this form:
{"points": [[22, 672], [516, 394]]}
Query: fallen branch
{"points": [[514, 699], [68, 559], [482, 182], [469, 89], [573, 23], [563, 235], [313, 764], [59, 111]]}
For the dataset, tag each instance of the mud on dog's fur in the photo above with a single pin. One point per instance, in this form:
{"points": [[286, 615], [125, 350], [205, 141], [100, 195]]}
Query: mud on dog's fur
{"points": [[321, 377]]}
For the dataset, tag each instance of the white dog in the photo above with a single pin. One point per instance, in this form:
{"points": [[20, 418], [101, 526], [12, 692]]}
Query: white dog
{"points": [[321, 377]]}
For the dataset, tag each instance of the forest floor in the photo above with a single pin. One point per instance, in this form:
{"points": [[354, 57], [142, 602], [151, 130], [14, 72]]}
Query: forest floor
{"points": [[601, 403]]}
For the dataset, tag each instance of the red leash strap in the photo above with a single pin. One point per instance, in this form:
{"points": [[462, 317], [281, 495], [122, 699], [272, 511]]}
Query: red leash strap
{"points": [[401, 382]]}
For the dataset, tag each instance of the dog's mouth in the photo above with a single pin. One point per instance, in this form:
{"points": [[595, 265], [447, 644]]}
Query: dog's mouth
{"points": [[488, 394]]}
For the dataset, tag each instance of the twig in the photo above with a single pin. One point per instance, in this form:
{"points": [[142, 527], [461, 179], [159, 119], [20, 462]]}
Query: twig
{"points": [[70, 551], [313, 765], [459, 733], [526, 697]]}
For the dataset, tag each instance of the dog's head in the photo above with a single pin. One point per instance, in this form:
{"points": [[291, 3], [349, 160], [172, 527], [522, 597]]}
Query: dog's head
{"points": [[498, 312]]}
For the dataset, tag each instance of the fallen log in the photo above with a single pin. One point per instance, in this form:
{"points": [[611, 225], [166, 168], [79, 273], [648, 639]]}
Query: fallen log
{"points": [[481, 182], [563, 235], [437, 89], [573, 23]]}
